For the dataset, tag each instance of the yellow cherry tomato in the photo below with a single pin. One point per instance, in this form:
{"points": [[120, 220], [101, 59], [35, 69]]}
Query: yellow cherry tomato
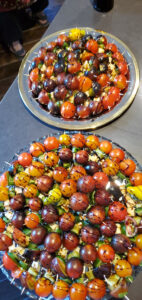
{"points": [[30, 191], [123, 268], [65, 139], [21, 179], [3, 193]]}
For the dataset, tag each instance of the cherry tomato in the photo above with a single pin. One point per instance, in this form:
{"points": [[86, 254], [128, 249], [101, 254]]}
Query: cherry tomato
{"points": [[68, 187], [92, 46], [110, 167], [127, 166], [25, 159], [115, 92], [3, 193], [4, 179], [43, 287], [123, 268], [117, 155], [50, 46], [2, 225], [106, 253], [50, 159], [77, 172], [5, 242], [34, 75], [32, 220], [117, 211], [74, 66], [136, 178], [92, 142], [51, 143], [139, 241], [16, 273], [134, 256], [65, 139], [78, 291], [123, 67], [105, 146], [21, 179], [61, 39], [118, 56], [85, 83], [60, 290], [78, 140], [112, 47], [108, 101], [36, 169], [42, 53], [37, 149], [49, 71], [60, 174], [9, 264], [103, 80], [96, 289], [120, 81], [30, 191], [86, 56], [101, 180], [68, 110]]}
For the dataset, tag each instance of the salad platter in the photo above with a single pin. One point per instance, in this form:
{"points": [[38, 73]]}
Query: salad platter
{"points": [[78, 78], [71, 218]]}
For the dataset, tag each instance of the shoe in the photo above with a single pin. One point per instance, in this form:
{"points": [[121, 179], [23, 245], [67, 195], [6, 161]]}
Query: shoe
{"points": [[41, 18], [17, 49]]}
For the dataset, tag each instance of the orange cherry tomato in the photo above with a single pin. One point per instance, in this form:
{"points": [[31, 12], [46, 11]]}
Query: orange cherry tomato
{"points": [[77, 172], [60, 174], [108, 101], [51, 143], [101, 180], [120, 81], [86, 56], [117, 211], [118, 56], [30, 191], [92, 142], [117, 155], [78, 140], [92, 46], [139, 241], [43, 287], [16, 273], [106, 146], [49, 71], [25, 159], [136, 178], [110, 167], [68, 187], [106, 253], [127, 166], [103, 80], [21, 179], [34, 74], [134, 256], [68, 110], [112, 47], [37, 149], [96, 289], [32, 220], [42, 53], [78, 291], [4, 179], [74, 66], [123, 67], [123, 268], [85, 83], [115, 93], [50, 159], [9, 264], [60, 290], [2, 225], [50, 46], [3, 193]]}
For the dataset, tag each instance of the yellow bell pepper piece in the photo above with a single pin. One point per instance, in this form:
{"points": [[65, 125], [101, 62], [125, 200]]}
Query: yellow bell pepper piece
{"points": [[76, 34], [136, 191]]}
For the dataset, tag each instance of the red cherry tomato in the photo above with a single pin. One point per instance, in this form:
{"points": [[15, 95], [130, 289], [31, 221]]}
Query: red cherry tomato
{"points": [[106, 146], [51, 143], [120, 81], [34, 75], [74, 66], [101, 180], [123, 67], [117, 155], [4, 179], [103, 80], [92, 46], [2, 225], [117, 211], [115, 92], [112, 47], [118, 56], [61, 39], [49, 71], [136, 178], [86, 56], [127, 166], [68, 110], [108, 101], [9, 264], [106, 253], [42, 53], [25, 159]]}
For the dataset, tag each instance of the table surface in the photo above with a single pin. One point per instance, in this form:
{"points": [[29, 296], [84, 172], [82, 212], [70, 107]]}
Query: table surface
{"points": [[18, 127]]}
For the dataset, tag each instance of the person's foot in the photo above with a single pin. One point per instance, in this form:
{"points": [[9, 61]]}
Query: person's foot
{"points": [[17, 49], [41, 18]]}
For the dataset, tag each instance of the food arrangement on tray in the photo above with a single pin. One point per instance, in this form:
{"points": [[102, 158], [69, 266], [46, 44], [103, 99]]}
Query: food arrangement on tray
{"points": [[78, 76], [71, 218]]}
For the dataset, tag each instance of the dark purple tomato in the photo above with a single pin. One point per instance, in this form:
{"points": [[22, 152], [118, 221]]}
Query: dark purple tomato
{"points": [[86, 184], [73, 55], [83, 112], [120, 243], [80, 98], [60, 78], [45, 259], [27, 280], [96, 88], [17, 202], [74, 268], [58, 266], [79, 201], [53, 108], [102, 197], [35, 204], [43, 97], [102, 271], [91, 167], [49, 58], [52, 242], [65, 155], [59, 67], [96, 107], [66, 221], [92, 74], [114, 190], [108, 228], [49, 214], [44, 183], [49, 85], [88, 253], [36, 89], [96, 214], [90, 235], [71, 82], [60, 92], [70, 240], [95, 62], [18, 219], [38, 234], [81, 157]]}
